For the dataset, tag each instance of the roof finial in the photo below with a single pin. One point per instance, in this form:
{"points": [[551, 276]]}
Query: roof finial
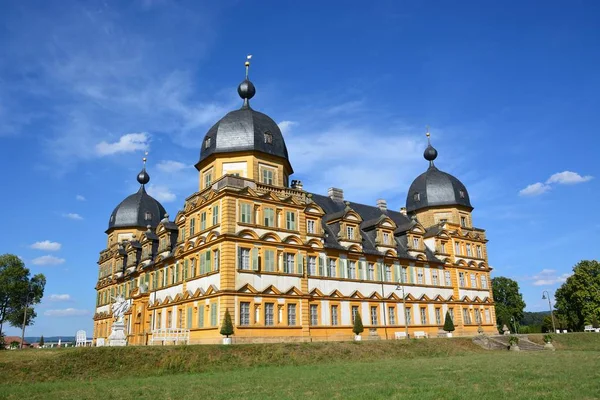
{"points": [[427, 134], [430, 153], [246, 89], [143, 176]]}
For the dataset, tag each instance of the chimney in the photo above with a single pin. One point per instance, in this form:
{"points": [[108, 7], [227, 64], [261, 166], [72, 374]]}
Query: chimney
{"points": [[336, 194], [382, 204], [403, 210], [296, 184]]}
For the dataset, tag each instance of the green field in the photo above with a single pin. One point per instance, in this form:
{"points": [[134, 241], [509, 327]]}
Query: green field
{"points": [[423, 369]]}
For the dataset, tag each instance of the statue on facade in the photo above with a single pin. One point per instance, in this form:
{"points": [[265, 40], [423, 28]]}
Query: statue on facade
{"points": [[119, 307]]}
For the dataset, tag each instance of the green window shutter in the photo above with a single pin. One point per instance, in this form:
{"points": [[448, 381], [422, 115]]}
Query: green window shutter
{"points": [[213, 314], [215, 215], [321, 264], [208, 267], [344, 267], [201, 316], [185, 269], [255, 259], [189, 317], [412, 274], [300, 264], [380, 271], [202, 265], [396, 272]]}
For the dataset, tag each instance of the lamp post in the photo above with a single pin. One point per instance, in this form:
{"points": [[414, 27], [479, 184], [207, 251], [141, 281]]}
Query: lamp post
{"points": [[400, 286], [546, 295], [25, 316]]}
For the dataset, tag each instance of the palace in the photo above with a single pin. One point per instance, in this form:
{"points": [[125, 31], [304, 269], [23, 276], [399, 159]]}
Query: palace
{"points": [[290, 265]]}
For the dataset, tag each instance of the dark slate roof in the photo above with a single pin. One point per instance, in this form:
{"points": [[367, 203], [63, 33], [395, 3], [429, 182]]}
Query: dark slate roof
{"points": [[244, 130], [436, 188], [131, 212]]}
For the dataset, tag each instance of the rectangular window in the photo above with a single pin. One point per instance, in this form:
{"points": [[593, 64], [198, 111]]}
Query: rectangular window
{"points": [[269, 314], [479, 253], [423, 316], [267, 176], [244, 258], [350, 232], [310, 226], [334, 315], [443, 248], [408, 316], [373, 315], [461, 279], [189, 318], [466, 316], [438, 316], [290, 220], [216, 259], [185, 269], [415, 243], [291, 309], [314, 316], [269, 262], [434, 277], [332, 267], [451, 313], [392, 315], [447, 278], [321, 266], [386, 238], [354, 312], [477, 317], [420, 276], [207, 179], [203, 221], [246, 213], [473, 281], [244, 313], [288, 266], [215, 215], [269, 217], [371, 275], [463, 222], [352, 270], [468, 249], [388, 273], [487, 316], [213, 314], [158, 322], [457, 247], [170, 319], [484, 284], [192, 226], [312, 266]]}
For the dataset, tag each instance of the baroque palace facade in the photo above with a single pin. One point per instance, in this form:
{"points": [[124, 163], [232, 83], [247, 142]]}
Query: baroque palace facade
{"points": [[286, 263]]}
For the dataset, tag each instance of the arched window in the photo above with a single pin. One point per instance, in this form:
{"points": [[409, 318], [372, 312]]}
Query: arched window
{"points": [[148, 216]]}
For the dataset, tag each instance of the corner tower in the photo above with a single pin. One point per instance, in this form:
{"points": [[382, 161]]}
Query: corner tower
{"points": [[246, 143]]}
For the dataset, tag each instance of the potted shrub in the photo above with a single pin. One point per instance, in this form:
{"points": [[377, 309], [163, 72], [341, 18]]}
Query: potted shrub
{"points": [[358, 327], [513, 341], [480, 329], [227, 328], [548, 342], [448, 324]]}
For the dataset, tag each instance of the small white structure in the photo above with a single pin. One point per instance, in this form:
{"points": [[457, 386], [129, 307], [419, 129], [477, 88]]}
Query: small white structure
{"points": [[420, 335], [117, 336], [170, 335], [399, 335], [590, 328], [100, 342], [81, 339]]}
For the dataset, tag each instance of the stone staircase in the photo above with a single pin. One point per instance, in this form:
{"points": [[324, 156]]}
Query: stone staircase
{"points": [[500, 342]]}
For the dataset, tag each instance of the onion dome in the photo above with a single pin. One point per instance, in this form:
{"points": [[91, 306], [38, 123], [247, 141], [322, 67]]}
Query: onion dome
{"points": [[436, 188], [244, 130], [139, 210]]}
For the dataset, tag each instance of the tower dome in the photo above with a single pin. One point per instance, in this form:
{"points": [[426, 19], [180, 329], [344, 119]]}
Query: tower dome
{"points": [[138, 210], [436, 188]]}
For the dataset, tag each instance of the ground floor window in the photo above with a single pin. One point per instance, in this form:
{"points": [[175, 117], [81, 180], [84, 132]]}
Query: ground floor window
{"points": [[354, 312], [314, 319], [373, 315], [392, 313], [438, 316], [423, 316], [487, 316], [466, 316], [334, 315], [408, 316], [244, 313], [291, 314], [268, 314]]}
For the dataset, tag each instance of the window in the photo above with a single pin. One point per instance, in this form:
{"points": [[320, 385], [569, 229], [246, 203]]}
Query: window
{"points": [[207, 142], [244, 258], [461, 193], [415, 243], [170, 319], [332, 267], [388, 273], [443, 248], [477, 317], [334, 315], [487, 316], [371, 275], [466, 316], [350, 232], [352, 270], [479, 253], [213, 315], [288, 267], [158, 322], [312, 265], [268, 138], [203, 221], [386, 238], [434, 277], [291, 314], [451, 310], [408, 316], [468, 250], [461, 279], [447, 278], [269, 314], [463, 222], [420, 276], [192, 226], [354, 312], [207, 179], [373, 315], [215, 215], [423, 316], [310, 226], [290, 220], [269, 216], [267, 176], [404, 275], [148, 216], [473, 281], [246, 213], [314, 319], [416, 196], [392, 315], [484, 284], [457, 247], [269, 262], [438, 316], [186, 267], [244, 313]]}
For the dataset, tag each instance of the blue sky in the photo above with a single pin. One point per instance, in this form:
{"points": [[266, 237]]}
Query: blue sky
{"points": [[510, 90]]}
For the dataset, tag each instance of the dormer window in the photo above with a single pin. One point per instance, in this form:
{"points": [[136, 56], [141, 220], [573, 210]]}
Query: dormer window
{"points": [[148, 216], [350, 232], [268, 138], [461, 193], [207, 143], [417, 196], [386, 238], [463, 222]]}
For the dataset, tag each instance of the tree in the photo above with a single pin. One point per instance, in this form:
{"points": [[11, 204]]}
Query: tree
{"points": [[508, 301], [578, 299], [358, 325], [595, 323], [18, 289], [41, 342], [227, 327], [448, 323]]}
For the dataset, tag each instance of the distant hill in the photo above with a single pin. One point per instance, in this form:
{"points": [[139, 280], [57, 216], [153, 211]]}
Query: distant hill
{"points": [[534, 318], [35, 339]]}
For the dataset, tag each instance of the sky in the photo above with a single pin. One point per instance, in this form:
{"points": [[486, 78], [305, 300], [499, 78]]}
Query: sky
{"points": [[509, 90]]}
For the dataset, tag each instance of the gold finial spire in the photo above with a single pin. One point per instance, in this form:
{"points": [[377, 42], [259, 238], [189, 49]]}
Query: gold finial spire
{"points": [[427, 134], [145, 159], [247, 64]]}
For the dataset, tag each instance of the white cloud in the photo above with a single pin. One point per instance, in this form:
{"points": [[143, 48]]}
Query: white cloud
{"points": [[535, 189], [170, 166], [46, 245], [161, 193], [47, 260], [66, 312], [59, 297], [568, 178], [547, 277], [74, 216], [286, 126], [79, 198], [126, 144]]}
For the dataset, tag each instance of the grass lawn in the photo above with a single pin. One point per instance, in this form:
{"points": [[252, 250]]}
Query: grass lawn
{"points": [[413, 371]]}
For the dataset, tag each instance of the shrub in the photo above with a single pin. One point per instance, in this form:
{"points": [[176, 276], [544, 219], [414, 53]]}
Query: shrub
{"points": [[513, 340], [358, 325], [227, 327], [448, 323], [41, 342], [547, 338]]}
